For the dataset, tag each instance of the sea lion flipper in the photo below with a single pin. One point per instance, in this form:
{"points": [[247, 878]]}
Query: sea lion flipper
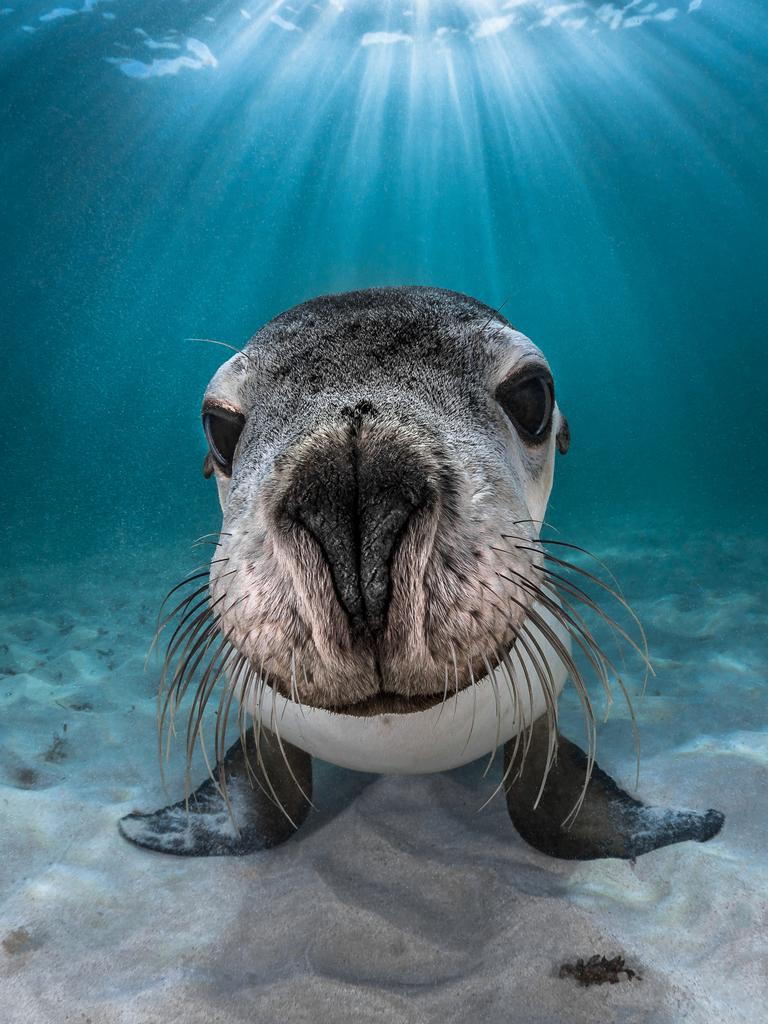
{"points": [[203, 826], [610, 822]]}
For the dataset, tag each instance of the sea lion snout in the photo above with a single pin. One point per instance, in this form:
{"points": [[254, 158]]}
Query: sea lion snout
{"points": [[355, 490]]}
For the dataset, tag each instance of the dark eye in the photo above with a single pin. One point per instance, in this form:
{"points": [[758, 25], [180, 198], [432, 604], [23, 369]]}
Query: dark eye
{"points": [[223, 429], [529, 403]]}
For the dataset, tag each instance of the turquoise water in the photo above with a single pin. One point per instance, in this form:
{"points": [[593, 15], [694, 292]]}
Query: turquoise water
{"points": [[602, 179], [184, 170]]}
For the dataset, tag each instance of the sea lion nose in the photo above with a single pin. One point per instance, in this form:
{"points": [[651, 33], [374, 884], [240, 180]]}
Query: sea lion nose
{"points": [[356, 500]]}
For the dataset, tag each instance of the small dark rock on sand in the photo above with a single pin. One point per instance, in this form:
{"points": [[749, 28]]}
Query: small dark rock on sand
{"points": [[598, 970]]}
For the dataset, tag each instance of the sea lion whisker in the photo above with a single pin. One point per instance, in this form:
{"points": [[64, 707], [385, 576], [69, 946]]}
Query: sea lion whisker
{"points": [[494, 315], [257, 719], [204, 682], [537, 522], [570, 617], [571, 547], [497, 332], [642, 652], [247, 705], [293, 675], [526, 732], [306, 684], [523, 735], [497, 702], [494, 604], [260, 758], [210, 538], [526, 725], [545, 681], [592, 650], [293, 685], [202, 637], [197, 647], [576, 591], [620, 683], [545, 678], [181, 630], [222, 715], [553, 730], [581, 689], [455, 676], [220, 784], [491, 676], [196, 572], [186, 670], [215, 622], [517, 738], [200, 700], [290, 769], [245, 702], [444, 699], [180, 634], [527, 638], [560, 586], [198, 628], [615, 592], [220, 734], [182, 608], [505, 664], [186, 645], [591, 729], [187, 613], [548, 689], [295, 682], [224, 344], [204, 574], [586, 642], [205, 688], [510, 626], [474, 704]]}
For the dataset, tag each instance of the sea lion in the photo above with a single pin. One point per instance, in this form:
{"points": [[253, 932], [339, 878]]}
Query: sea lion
{"points": [[379, 594]]}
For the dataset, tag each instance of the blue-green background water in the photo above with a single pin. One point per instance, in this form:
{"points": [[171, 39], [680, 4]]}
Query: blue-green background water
{"points": [[189, 169], [602, 177]]}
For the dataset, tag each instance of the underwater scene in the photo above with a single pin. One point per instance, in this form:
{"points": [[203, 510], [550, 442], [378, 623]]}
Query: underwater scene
{"points": [[315, 704]]}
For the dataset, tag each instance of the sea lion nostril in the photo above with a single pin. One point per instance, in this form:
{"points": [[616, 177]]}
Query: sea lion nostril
{"points": [[356, 413], [356, 501]]}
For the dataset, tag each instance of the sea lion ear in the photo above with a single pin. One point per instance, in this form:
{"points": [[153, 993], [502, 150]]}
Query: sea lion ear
{"points": [[563, 436], [208, 466]]}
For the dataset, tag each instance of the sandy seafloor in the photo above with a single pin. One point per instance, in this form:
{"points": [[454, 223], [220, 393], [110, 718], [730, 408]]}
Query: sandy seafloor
{"points": [[397, 901]]}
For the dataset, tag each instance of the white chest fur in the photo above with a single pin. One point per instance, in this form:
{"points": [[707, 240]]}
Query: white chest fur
{"points": [[463, 729]]}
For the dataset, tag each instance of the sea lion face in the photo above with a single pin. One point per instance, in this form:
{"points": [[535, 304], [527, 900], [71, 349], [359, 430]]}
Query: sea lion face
{"points": [[383, 459]]}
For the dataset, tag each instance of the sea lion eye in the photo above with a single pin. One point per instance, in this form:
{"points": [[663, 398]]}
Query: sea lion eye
{"points": [[529, 403], [223, 429]]}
